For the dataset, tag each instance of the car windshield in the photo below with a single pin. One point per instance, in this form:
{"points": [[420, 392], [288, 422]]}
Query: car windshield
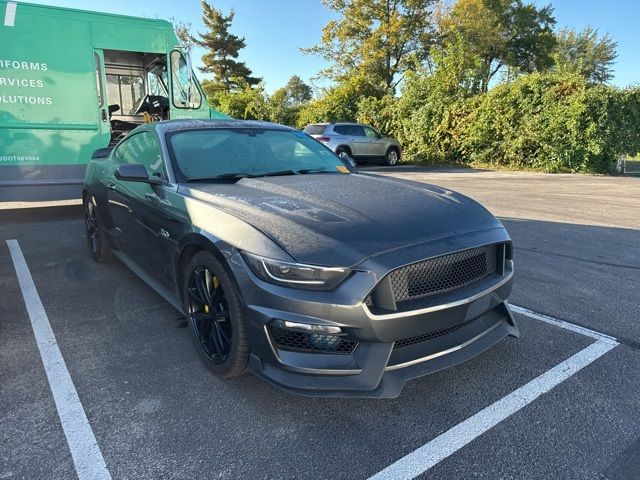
{"points": [[238, 152]]}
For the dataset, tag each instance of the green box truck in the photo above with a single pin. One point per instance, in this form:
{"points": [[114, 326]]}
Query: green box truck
{"points": [[73, 81]]}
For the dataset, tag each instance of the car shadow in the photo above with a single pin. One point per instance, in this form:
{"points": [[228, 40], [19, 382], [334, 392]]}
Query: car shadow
{"points": [[418, 169]]}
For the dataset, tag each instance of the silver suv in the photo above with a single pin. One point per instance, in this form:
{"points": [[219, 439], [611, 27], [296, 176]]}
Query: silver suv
{"points": [[355, 140]]}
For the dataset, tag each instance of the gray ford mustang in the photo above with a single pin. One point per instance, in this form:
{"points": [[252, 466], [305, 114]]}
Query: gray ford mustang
{"points": [[288, 262]]}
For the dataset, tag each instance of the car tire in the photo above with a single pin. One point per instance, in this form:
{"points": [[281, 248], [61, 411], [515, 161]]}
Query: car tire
{"points": [[392, 157], [215, 314], [95, 231], [342, 152]]}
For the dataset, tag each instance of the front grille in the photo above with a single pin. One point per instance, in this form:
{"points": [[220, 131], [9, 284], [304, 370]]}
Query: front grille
{"points": [[443, 274], [311, 342], [407, 342]]}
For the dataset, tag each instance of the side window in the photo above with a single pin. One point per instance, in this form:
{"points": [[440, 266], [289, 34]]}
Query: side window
{"points": [[185, 93], [142, 148], [370, 132], [341, 130], [126, 91], [358, 131]]}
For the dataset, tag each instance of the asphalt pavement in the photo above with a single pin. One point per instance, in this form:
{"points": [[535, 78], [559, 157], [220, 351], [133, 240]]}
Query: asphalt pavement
{"points": [[157, 412]]}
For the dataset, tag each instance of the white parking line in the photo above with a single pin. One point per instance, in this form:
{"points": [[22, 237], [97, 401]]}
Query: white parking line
{"points": [[85, 452], [561, 323], [446, 444], [89, 462]]}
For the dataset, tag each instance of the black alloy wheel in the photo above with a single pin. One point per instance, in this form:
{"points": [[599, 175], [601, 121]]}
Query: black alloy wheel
{"points": [[94, 232], [209, 314], [215, 312]]}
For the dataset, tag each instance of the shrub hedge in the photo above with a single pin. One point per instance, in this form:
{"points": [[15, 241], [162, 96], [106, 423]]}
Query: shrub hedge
{"points": [[545, 121]]}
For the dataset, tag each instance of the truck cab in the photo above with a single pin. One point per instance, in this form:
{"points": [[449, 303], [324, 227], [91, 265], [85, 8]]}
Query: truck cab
{"points": [[134, 88], [74, 81]]}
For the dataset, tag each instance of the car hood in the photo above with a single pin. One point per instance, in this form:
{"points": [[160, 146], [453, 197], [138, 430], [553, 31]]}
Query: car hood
{"points": [[340, 219]]}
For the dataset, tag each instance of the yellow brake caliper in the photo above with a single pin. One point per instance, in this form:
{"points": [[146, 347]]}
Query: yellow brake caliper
{"points": [[216, 282]]}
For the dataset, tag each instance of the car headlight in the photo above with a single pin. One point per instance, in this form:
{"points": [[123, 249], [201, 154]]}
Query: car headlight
{"points": [[296, 275]]}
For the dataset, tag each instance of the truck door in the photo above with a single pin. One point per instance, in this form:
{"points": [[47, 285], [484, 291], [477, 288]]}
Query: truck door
{"points": [[104, 126], [187, 100]]}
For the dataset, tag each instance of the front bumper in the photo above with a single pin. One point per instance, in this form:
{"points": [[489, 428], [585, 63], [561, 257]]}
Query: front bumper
{"points": [[390, 349]]}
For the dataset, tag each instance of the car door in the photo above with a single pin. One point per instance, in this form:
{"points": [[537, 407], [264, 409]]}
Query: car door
{"points": [[359, 142], [376, 146], [118, 201], [144, 219]]}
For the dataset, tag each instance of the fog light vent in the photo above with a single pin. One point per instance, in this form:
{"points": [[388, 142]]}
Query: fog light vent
{"points": [[292, 340]]}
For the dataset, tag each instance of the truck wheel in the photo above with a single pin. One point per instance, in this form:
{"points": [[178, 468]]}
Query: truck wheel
{"points": [[392, 157], [95, 232]]}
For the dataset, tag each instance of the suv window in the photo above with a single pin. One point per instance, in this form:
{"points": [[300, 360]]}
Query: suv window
{"points": [[358, 131], [349, 130], [142, 148], [314, 129], [370, 132]]}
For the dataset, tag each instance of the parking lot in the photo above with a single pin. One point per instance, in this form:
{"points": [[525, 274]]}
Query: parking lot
{"points": [[562, 401]]}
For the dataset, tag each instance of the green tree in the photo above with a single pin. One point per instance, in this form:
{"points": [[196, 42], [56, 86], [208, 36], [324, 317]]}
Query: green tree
{"points": [[586, 53], [183, 32], [286, 102], [339, 103], [503, 33], [245, 102], [378, 39], [297, 91], [223, 49]]}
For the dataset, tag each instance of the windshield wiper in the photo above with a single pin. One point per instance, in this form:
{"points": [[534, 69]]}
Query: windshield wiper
{"points": [[281, 172], [222, 175], [316, 170]]}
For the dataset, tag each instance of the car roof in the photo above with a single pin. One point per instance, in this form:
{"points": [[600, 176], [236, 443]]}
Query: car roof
{"points": [[326, 124], [192, 124]]}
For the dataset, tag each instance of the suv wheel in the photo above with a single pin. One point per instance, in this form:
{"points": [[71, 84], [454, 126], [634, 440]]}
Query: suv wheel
{"points": [[392, 157], [343, 152]]}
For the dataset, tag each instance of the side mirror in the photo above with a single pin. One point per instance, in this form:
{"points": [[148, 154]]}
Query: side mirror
{"points": [[135, 172], [101, 153]]}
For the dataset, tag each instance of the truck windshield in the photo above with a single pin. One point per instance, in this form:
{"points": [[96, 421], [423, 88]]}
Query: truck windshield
{"points": [[238, 152]]}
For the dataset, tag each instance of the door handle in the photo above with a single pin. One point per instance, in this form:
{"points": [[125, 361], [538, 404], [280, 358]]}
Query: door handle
{"points": [[151, 198], [103, 114], [111, 185]]}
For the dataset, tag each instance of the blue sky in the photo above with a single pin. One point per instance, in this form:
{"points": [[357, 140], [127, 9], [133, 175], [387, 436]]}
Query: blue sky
{"points": [[276, 29]]}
